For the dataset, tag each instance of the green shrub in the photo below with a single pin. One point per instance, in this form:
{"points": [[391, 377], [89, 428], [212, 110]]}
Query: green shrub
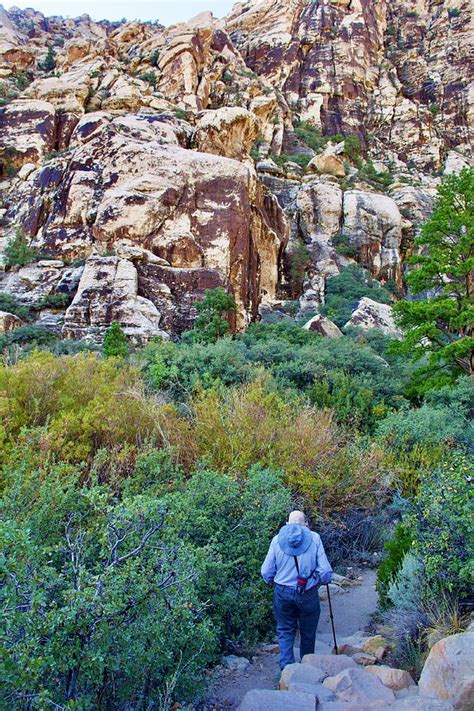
{"points": [[442, 525], [181, 114], [149, 76], [445, 416], [404, 592], [10, 304], [53, 301], [213, 315], [352, 150], [299, 258], [252, 424], [396, 550], [154, 58], [87, 404], [229, 521], [102, 606], [453, 12], [48, 64], [311, 136], [18, 252], [27, 335], [115, 342], [343, 245], [381, 180], [283, 158]]}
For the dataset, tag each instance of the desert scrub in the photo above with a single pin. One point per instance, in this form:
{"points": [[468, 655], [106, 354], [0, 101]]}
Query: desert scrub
{"points": [[11, 305], [352, 149], [84, 402], [18, 252], [252, 424]]}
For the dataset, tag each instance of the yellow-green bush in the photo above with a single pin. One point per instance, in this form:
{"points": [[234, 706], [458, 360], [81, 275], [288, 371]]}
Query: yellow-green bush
{"points": [[233, 429], [84, 404]]}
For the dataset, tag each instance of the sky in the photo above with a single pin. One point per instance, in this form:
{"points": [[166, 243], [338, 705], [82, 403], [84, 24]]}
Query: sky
{"points": [[166, 11]]}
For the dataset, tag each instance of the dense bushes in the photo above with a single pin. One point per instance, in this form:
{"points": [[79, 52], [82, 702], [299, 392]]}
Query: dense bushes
{"points": [[429, 567], [120, 597], [100, 604], [234, 429], [84, 404], [353, 376]]}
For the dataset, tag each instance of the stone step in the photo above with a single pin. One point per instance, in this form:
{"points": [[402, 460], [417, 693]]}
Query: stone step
{"points": [[267, 700]]}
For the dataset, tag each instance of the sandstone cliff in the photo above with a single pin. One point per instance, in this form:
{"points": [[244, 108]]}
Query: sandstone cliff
{"points": [[147, 164]]}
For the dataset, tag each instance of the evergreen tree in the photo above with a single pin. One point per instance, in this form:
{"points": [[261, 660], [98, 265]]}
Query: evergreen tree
{"points": [[115, 342], [18, 252], [49, 62], [440, 322], [213, 310]]}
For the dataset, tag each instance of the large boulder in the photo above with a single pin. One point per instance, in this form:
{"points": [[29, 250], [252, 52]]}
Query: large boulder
{"points": [[300, 674], [318, 690], [371, 314], [448, 673], [327, 164], [322, 325], [359, 686], [9, 321], [372, 224], [330, 664]]}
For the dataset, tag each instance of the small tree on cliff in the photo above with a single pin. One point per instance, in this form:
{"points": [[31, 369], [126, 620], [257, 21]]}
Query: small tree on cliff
{"points": [[214, 310], [440, 323], [115, 342], [49, 62]]}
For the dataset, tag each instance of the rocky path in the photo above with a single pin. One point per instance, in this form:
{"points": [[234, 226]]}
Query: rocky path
{"points": [[352, 611]]}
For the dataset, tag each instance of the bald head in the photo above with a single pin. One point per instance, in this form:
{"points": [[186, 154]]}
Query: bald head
{"points": [[297, 517]]}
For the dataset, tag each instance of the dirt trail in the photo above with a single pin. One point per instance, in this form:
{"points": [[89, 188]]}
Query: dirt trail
{"points": [[352, 612]]}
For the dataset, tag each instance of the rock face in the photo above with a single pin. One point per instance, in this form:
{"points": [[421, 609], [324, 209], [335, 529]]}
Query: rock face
{"points": [[108, 291], [142, 143], [366, 68], [448, 674], [206, 217], [227, 132]]}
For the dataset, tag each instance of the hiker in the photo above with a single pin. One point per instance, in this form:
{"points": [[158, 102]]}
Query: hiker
{"points": [[296, 563]]}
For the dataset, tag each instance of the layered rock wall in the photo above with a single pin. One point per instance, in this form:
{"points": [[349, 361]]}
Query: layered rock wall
{"points": [[159, 153]]}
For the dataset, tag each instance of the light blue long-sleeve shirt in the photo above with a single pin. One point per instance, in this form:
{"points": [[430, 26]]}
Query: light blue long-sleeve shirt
{"points": [[280, 568]]}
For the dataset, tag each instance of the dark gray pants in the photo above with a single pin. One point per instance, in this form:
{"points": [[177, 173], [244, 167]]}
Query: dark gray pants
{"points": [[293, 610]]}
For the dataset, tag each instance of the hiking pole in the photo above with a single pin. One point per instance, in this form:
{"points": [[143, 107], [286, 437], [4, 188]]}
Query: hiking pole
{"points": [[332, 619]]}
